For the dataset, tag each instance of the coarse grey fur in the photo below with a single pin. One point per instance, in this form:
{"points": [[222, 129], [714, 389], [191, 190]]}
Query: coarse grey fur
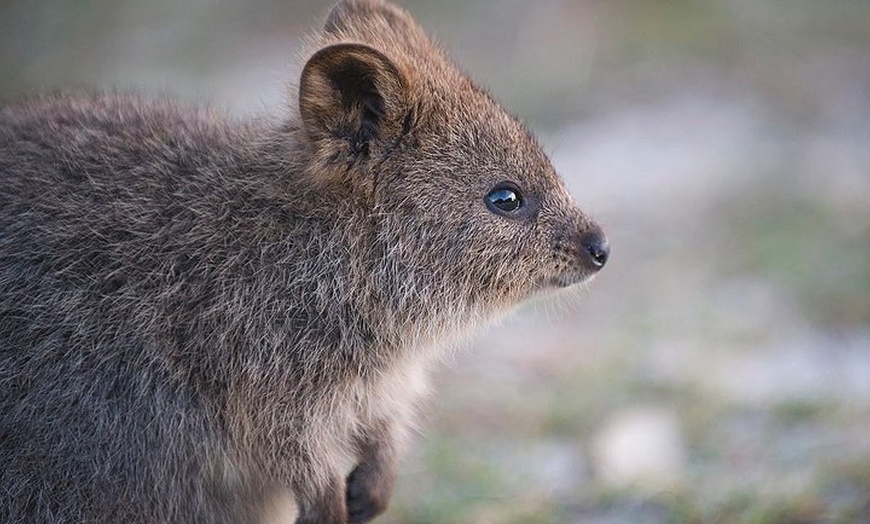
{"points": [[200, 318]]}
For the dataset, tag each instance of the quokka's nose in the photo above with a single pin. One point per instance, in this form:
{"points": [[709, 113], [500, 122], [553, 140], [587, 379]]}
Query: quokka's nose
{"points": [[595, 249]]}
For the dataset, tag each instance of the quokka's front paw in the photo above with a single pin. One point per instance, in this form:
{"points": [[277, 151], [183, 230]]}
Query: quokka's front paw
{"points": [[368, 492]]}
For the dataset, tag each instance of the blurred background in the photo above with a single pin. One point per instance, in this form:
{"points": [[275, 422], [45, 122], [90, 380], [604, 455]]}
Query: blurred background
{"points": [[718, 370]]}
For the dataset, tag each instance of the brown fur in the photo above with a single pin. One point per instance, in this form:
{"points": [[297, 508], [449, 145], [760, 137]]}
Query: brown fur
{"points": [[201, 320]]}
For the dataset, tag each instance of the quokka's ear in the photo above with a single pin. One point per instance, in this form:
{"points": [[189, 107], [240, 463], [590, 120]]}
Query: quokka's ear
{"points": [[354, 94], [359, 17]]}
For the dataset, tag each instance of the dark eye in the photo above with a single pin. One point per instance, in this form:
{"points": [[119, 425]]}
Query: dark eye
{"points": [[504, 199]]}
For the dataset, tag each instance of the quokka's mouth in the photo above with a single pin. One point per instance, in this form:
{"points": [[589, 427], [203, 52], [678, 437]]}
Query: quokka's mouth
{"points": [[568, 279]]}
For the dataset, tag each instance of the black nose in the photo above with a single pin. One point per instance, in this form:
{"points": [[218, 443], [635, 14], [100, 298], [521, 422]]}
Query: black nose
{"points": [[595, 248]]}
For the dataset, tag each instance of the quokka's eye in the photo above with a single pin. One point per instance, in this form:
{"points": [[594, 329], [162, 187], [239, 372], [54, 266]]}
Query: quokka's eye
{"points": [[504, 199]]}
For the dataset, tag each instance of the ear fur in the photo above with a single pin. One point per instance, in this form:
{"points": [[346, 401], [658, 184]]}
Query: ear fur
{"points": [[353, 94], [359, 16]]}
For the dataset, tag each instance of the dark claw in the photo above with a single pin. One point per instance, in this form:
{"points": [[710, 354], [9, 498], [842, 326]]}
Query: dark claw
{"points": [[366, 495]]}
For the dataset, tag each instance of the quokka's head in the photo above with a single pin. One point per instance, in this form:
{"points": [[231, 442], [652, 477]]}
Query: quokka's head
{"points": [[460, 196]]}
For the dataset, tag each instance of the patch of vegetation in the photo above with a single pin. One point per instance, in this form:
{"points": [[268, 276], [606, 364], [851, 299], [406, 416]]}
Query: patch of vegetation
{"points": [[807, 247]]}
